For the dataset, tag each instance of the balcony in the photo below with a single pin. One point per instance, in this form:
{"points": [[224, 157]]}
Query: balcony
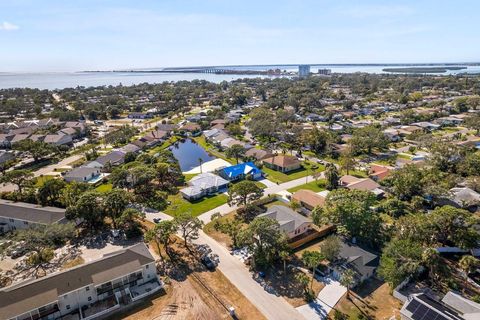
{"points": [[140, 291], [99, 308]]}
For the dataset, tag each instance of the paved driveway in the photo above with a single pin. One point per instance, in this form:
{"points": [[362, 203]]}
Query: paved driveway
{"points": [[325, 301]]}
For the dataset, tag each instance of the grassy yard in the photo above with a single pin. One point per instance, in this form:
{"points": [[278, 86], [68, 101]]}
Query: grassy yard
{"points": [[189, 176], [372, 299], [178, 204], [315, 186], [280, 177], [40, 181], [103, 188]]}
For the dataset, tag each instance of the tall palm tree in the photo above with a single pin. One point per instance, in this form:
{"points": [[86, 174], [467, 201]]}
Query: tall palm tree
{"points": [[347, 279], [284, 256], [312, 259]]}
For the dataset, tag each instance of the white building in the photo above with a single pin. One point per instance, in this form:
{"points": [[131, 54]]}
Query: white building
{"points": [[20, 215], [87, 291]]}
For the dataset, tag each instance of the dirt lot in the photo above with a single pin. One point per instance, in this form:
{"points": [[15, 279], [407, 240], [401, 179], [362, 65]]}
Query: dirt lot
{"points": [[372, 299]]}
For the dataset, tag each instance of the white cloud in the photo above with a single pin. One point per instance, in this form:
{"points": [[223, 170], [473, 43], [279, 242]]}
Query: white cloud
{"points": [[7, 26]]}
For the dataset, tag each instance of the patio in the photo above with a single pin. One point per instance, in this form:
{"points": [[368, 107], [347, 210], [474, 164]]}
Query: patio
{"points": [[145, 289]]}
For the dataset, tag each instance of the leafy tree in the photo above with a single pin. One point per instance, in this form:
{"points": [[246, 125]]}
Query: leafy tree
{"points": [[50, 192], [236, 151], [72, 191], [406, 182], [232, 227], [352, 211], [470, 165], [188, 226], [115, 203], [347, 279], [89, 208], [162, 235], [316, 140], [330, 247], [347, 162], [312, 259], [468, 264], [37, 149], [265, 239], [21, 178], [303, 280], [262, 123], [244, 192], [445, 156], [473, 122], [394, 207], [365, 139], [400, 259], [129, 222], [332, 177], [234, 129], [431, 259]]}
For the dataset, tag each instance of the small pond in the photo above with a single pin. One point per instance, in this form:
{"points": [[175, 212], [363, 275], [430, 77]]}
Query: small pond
{"points": [[188, 153]]}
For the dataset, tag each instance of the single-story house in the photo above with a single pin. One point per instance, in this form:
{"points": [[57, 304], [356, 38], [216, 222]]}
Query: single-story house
{"points": [[5, 140], [202, 185], [130, 148], [83, 174], [462, 197], [308, 199], [258, 154], [282, 163], [241, 171], [91, 290], [166, 127], [6, 156], [21, 215], [379, 172], [292, 223], [58, 139], [193, 128], [18, 138], [364, 184], [114, 158], [363, 262], [140, 115]]}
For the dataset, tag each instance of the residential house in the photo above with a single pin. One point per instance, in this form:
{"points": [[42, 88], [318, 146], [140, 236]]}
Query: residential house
{"points": [[6, 156], [293, 224], [241, 171], [202, 185], [20, 215], [83, 174], [351, 256], [449, 121], [130, 148], [58, 139], [282, 163], [379, 172], [5, 141], [462, 197], [113, 158], [166, 127], [308, 199], [191, 128], [258, 154], [364, 184], [89, 291], [392, 134], [452, 307], [19, 137], [140, 115]]}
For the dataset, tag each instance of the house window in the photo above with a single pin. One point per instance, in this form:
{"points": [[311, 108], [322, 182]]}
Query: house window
{"points": [[68, 307], [11, 220], [87, 289], [25, 222], [146, 267], [89, 299]]}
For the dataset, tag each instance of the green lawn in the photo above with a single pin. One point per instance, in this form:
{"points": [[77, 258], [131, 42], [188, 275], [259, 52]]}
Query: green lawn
{"points": [[42, 179], [315, 186], [103, 188], [189, 176], [178, 204], [280, 177]]}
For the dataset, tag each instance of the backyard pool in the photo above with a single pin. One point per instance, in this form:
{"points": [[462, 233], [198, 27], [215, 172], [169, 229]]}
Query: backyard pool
{"points": [[188, 153]]}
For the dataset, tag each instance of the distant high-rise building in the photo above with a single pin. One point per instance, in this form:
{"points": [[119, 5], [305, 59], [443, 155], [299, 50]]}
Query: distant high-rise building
{"points": [[324, 71], [303, 70]]}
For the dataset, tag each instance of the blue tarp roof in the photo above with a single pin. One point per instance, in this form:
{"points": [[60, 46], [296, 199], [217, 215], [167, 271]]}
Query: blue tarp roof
{"points": [[241, 168]]}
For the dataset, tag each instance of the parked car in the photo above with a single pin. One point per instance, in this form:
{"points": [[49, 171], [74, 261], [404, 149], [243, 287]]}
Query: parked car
{"points": [[157, 220], [208, 263]]}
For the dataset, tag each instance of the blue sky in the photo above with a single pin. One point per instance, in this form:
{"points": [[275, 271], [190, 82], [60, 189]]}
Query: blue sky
{"points": [[67, 35]]}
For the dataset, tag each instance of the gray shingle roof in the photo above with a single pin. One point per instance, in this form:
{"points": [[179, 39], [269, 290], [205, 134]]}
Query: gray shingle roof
{"points": [[288, 219], [30, 212]]}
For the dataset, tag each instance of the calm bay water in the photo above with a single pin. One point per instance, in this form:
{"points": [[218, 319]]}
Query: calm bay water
{"points": [[87, 79]]}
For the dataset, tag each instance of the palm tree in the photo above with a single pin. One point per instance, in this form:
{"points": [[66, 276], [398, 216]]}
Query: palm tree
{"points": [[312, 259], [284, 256], [347, 279], [468, 263], [200, 160], [430, 259]]}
